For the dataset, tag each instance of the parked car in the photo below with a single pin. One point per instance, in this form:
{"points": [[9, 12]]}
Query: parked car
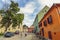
{"points": [[17, 32], [8, 34]]}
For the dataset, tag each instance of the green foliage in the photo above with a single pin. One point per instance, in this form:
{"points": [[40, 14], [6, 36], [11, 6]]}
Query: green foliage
{"points": [[14, 7], [14, 21], [11, 17], [25, 26], [1, 11], [20, 18], [1, 34]]}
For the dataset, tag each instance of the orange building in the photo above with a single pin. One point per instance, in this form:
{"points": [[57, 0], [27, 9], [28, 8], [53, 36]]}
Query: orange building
{"points": [[30, 30], [50, 23]]}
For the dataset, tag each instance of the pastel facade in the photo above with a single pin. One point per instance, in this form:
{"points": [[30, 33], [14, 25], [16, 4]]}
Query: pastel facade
{"points": [[30, 29], [50, 23], [39, 16], [10, 29]]}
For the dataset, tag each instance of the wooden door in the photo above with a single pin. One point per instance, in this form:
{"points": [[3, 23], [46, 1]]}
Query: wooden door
{"points": [[49, 35]]}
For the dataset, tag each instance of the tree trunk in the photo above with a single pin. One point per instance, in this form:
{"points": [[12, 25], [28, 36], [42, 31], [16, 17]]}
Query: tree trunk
{"points": [[5, 29], [6, 26]]}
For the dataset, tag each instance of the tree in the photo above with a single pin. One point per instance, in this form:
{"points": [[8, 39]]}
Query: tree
{"points": [[25, 27], [19, 18], [11, 17]]}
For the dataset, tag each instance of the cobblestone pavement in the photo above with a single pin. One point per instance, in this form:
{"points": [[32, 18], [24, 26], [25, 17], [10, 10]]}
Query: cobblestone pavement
{"points": [[30, 37], [18, 37], [34, 37]]}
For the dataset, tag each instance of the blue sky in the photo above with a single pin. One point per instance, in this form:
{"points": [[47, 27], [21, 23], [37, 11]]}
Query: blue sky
{"points": [[30, 8]]}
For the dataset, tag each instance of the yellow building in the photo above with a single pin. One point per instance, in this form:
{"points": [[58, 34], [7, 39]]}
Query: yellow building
{"points": [[10, 29]]}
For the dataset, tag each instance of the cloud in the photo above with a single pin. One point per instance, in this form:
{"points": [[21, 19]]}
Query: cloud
{"points": [[1, 6], [48, 2], [29, 8], [6, 1], [28, 12], [27, 20]]}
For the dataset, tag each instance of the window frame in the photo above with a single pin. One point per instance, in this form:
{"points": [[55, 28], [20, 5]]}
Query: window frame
{"points": [[49, 19], [45, 22], [40, 25]]}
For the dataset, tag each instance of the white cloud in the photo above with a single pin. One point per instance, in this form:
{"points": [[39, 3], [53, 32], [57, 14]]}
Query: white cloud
{"points": [[6, 1], [29, 8], [48, 2], [27, 20]]}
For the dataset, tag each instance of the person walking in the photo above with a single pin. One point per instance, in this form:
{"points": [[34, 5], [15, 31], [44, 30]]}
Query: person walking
{"points": [[25, 34]]}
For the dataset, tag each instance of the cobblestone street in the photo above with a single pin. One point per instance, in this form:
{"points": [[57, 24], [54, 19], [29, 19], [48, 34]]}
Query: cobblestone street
{"points": [[18, 37]]}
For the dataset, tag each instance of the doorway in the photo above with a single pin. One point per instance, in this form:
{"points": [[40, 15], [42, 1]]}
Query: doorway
{"points": [[49, 35], [42, 31]]}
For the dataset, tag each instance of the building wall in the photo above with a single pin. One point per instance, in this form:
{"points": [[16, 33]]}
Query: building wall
{"points": [[3, 28], [36, 24], [39, 16], [54, 27], [10, 29], [31, 29], [42, 13], [16, 28]]}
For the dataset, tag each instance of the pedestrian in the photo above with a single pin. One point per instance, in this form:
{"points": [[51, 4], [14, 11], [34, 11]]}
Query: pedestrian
{"points": [[25, 34]]}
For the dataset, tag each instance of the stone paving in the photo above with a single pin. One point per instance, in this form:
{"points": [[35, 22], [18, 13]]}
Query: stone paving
{"points": [[18, 37]]}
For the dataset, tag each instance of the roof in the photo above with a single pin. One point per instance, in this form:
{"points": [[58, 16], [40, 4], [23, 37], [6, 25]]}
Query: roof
{"points": [[31, 27], [57, 5], [54, 5], [42, 13]]}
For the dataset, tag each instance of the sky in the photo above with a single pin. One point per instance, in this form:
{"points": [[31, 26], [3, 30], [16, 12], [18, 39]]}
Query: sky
{"points": [[30, 8]]}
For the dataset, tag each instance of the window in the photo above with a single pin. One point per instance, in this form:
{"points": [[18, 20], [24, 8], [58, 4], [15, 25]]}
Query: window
{"points": [[42, 31], [49, 35], [45, 23], [49, 19], [40, 25], [54, 33], [45, 10]]}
